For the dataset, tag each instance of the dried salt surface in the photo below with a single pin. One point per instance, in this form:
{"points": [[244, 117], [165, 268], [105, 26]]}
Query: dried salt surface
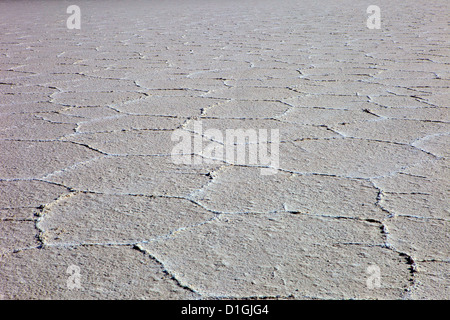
{"points": [[432, 281], [240, 190], [281, 255], [419, 191], [123, 218], [352, 157], [29, 107], [22, 159], [423, 114], [169, 106], [146, 175], [30, 127], [106, 272], [94, 98], [128, 142], [17, 235], [238, 109], [425, 239], [287, 131], [28, 193], [393, 130], [325, 116], [87, 178], [435, 144], [129, 122]]}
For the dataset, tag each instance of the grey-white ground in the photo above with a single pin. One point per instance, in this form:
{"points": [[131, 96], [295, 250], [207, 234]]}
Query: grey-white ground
{"points": [[86, 177]]}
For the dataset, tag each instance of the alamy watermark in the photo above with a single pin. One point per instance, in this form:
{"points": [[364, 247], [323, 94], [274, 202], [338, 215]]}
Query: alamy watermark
{"points": [[74, 280], [374, 20], [234, 146], [374, 279], [74, 20]]}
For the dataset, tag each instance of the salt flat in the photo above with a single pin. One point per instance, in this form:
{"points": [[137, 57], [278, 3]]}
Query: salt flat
{"points": [[93, 205]]}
